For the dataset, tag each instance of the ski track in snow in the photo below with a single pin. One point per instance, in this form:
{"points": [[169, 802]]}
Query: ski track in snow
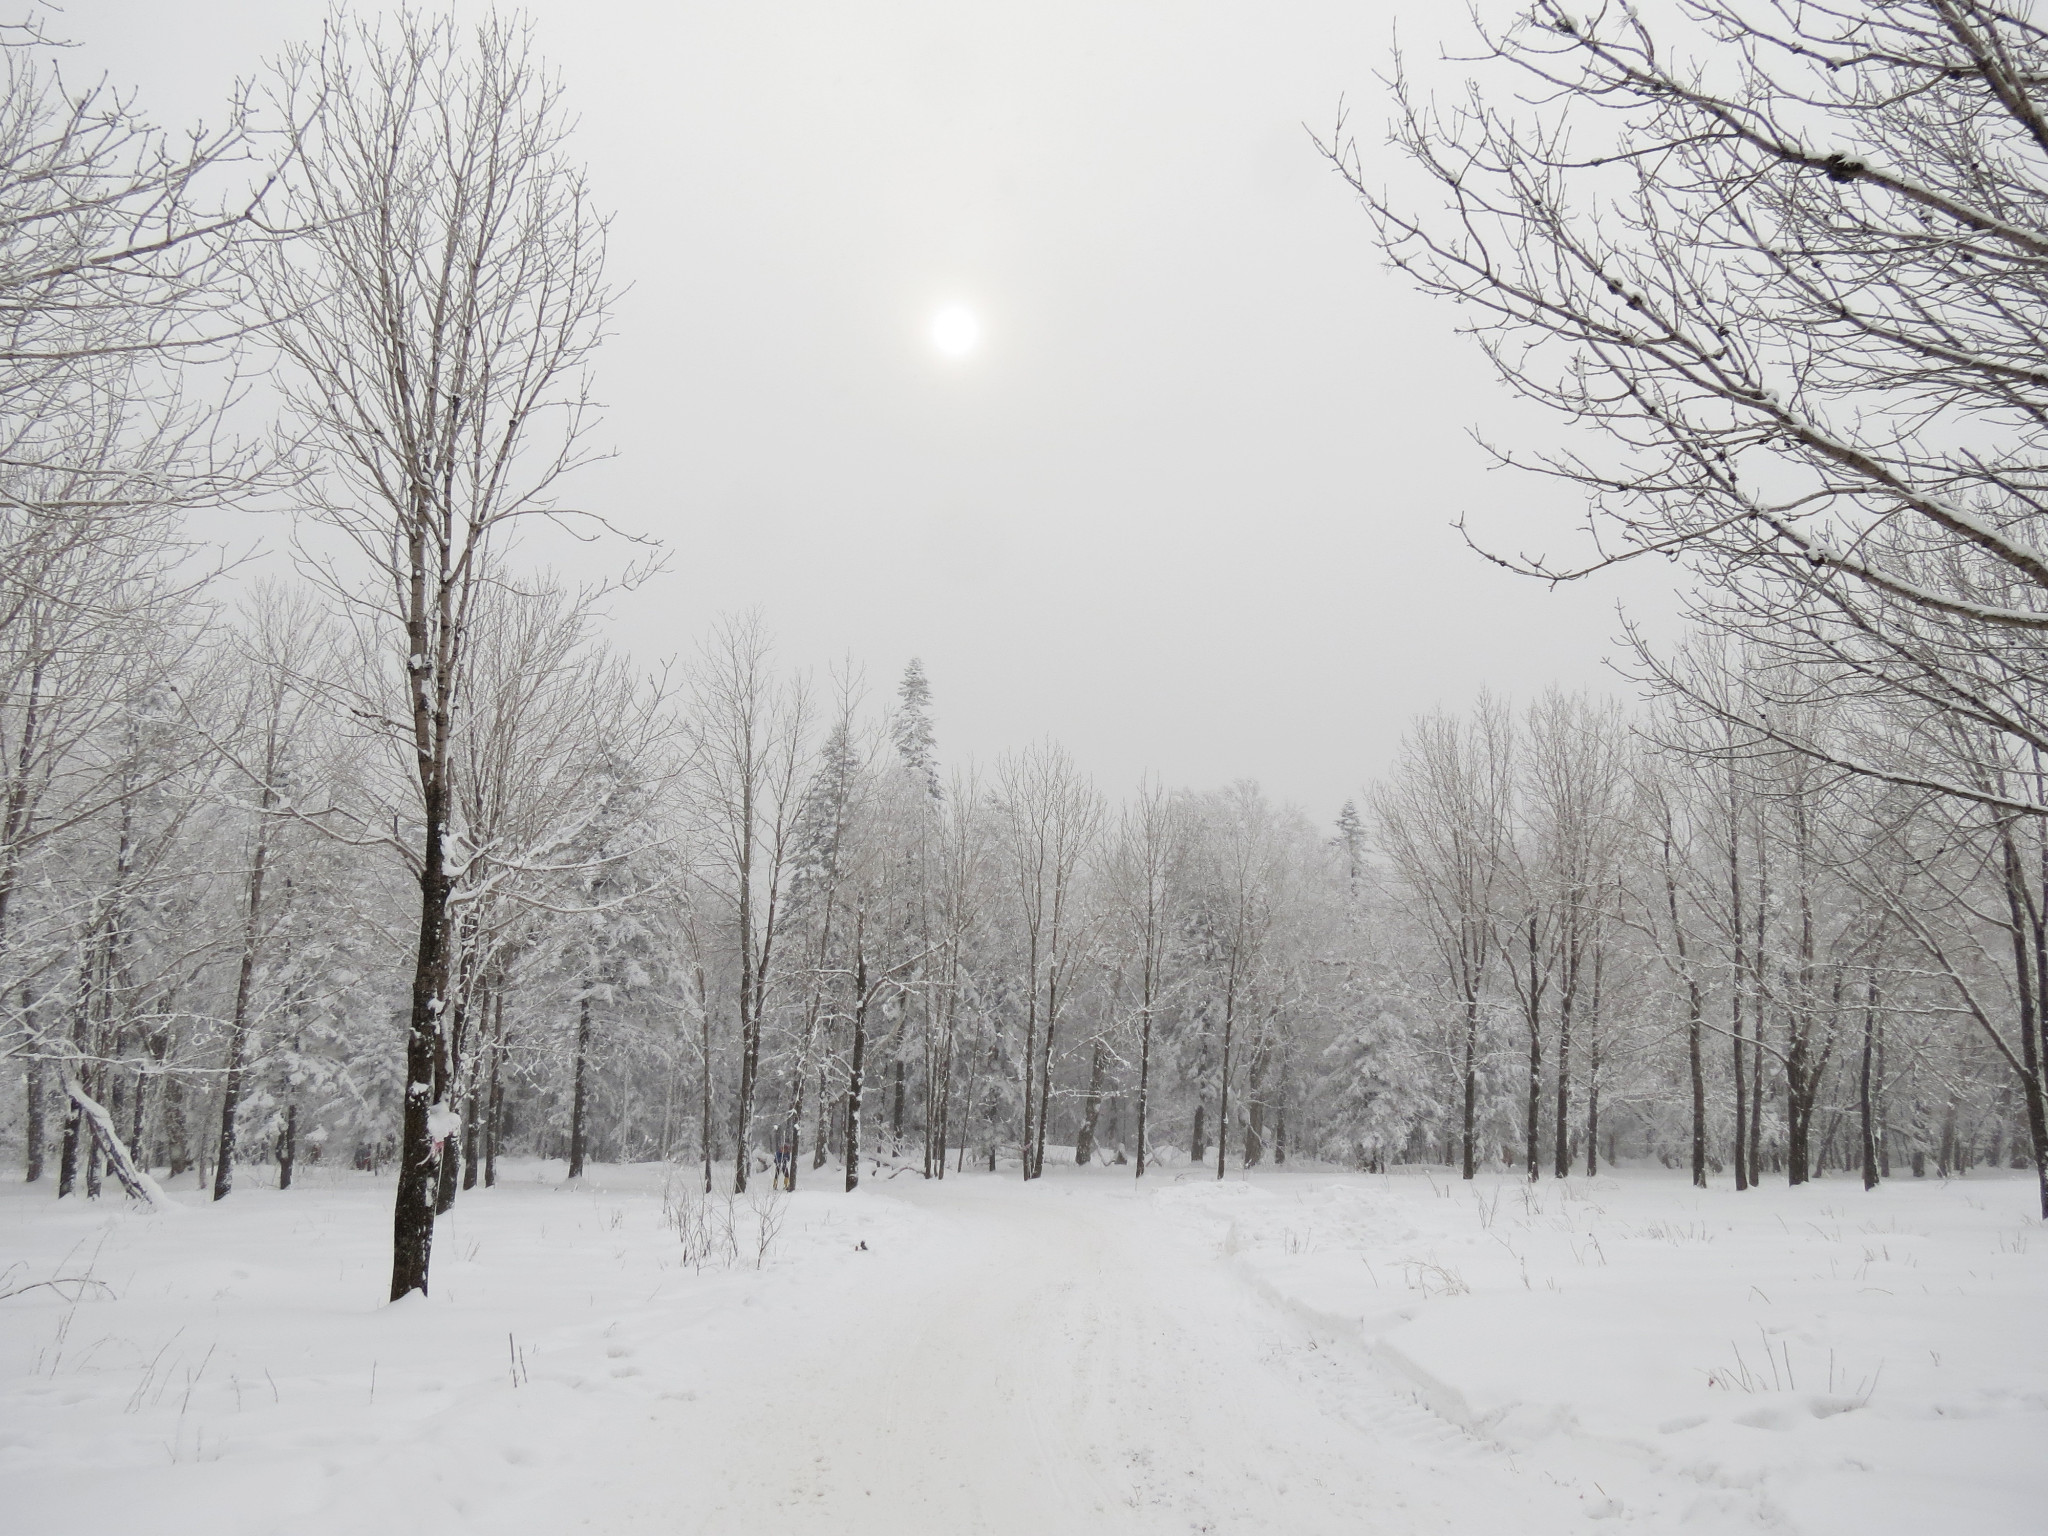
{"points": [[1075, 1365]]}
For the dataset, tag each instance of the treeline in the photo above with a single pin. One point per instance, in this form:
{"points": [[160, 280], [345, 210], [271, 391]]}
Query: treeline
{"points": [[1666, 933]]}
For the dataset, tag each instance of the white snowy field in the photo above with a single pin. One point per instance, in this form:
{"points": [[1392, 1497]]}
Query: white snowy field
{"points": [[1303, 1352]]}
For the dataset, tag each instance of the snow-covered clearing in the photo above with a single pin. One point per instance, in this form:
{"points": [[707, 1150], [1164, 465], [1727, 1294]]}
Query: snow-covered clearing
{"points": [[1300, 1352]]}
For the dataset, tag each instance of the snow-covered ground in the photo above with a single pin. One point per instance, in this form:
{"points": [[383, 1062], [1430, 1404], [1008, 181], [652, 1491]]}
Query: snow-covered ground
{"points": [[1299, 1352]]}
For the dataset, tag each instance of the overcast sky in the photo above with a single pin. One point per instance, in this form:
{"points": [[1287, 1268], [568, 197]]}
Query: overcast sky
{"points": [[1185, 506]]}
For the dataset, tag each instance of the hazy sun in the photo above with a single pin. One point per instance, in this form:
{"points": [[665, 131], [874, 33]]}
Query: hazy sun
{"points": [[955, 330]]}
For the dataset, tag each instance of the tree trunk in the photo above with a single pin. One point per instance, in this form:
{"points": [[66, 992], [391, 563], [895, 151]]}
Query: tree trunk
{"points": [[1561, 1164], [896, 1108], [1471, 1115], [287, 1145], [471, 1136], [856, 1065], [704, 1081], [1223, 1083], [447, 1168], [35, 1132], [1863, 1104], [818, 1136], [1532, 1151], [1052, 1013], [1255, 1110], [1799, 1103], [412, 1220], [238, 1020], [1695, 1067], [177, 1152], [67, 1153], [1144, 1082], [1593, 1117], [494, 1103], [578, 1095], [107, 1142], [1756, 1056], [1091, 1105]]}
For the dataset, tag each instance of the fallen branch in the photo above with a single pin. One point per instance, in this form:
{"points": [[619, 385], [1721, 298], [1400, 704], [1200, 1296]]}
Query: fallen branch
{"points": [[140, 1186], [60, 1280]]}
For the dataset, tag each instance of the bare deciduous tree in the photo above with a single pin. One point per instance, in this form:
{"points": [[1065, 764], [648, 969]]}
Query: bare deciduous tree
{"points": [[436, 319]]}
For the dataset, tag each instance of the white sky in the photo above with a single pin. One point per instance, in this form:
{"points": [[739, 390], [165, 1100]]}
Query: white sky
{"points": [[1185, 507]]}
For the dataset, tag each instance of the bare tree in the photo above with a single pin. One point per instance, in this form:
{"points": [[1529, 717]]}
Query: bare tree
{"points": [[1051, 815], [1444, 821], [1141, 866], [1575, 787], [749, 764], [1796, 294], [282, 628], [436, 319]]}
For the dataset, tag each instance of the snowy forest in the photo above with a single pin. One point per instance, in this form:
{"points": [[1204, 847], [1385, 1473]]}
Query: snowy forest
{"points": [[390, 861], [1777, 912]]}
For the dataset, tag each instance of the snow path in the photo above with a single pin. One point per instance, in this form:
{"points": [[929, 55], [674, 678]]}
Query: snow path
{"points": [[981, 1357], [1067, 1360]]}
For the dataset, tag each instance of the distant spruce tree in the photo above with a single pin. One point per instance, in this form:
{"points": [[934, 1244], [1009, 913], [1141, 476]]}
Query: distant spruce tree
{"points": [[912, 731]]}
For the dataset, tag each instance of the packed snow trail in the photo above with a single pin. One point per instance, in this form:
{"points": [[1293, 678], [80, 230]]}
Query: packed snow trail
{"points": [[1062, 1359]]}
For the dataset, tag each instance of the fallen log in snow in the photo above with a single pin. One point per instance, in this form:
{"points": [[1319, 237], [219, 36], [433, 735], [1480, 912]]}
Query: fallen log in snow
{"points": [[140, 1186]]}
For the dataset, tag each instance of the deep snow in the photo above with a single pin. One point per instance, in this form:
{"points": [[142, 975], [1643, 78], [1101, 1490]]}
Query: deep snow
{"points": [[1303, 1351]]}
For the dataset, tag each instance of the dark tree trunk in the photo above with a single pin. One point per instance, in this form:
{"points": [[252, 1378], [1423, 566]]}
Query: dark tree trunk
{"points": [[1532, 1151], [1144, 1083], [1737, 981], [1091, 1105], [704, 1080], [471, 1139], [1801, 1087], [412, 1220], [1863, 1098], [1025, 1136], [1052, 1013], [287, 1146], [177, 1152], [67, 1155], [579, 1091], [818, 1136], [1758, 970], [1255, 1110], [1561, 1164], [1593, 1119], [1223, 1083], [238, 1021], [35, 1132], [896, 1108], [856, 1064], [1471, 1115], [1699, 1096], [1694, 1065], [447, 1174], [494, 1103]]}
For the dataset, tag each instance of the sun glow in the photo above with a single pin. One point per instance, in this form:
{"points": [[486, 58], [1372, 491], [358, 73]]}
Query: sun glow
{"points": [[955, 330]]}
